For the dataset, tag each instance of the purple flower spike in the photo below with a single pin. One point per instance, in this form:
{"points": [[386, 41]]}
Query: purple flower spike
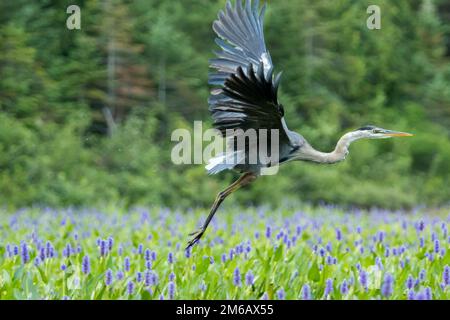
{"points": [[265, 296], [422, 275], [281, 294], [268, 232], [108, 277], [119, 275], [410, 282], [421, 225], [9, 250], [153, 255], [428, 293], [86, 265], [67, 250], [322, 252], [328, 287], [170, 258], [171, 276], [224, 258], [126, 264], [130, 287], [446, 275], [380, 236], [103, 248], [110, 243], [437, 246], [386, 287], [148, 264], [421, 242], [147, 254], [237, 277], [344, 287], [330, 260], [42, 253], [148, 278], [155, 279], [138, 276], [249, 278], [24, 253], [306, 292], [363, 279], [37, 261], [15, 250], [140, 248], [338, 234], [231, 255], [171, 290], [411, 295]]}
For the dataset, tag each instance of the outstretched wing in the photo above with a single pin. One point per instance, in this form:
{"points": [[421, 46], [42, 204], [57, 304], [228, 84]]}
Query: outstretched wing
{"points": [[246, 92]]}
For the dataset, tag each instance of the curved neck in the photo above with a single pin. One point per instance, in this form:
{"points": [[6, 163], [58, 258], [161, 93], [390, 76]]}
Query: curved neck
{"points": [[308, 153]]}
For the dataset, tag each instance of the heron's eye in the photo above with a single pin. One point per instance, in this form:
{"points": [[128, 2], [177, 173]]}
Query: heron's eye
{"points": [[376, 131]]}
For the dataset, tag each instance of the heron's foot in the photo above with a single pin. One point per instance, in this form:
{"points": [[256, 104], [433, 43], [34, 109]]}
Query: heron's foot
{"points": [[196, 237]]}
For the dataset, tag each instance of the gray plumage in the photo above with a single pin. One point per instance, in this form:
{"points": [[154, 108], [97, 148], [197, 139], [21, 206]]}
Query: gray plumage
{"points": [[247, 97]]}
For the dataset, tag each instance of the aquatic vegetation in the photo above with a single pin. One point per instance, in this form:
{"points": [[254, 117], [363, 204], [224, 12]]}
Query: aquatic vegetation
{"points": [[307, 253]]}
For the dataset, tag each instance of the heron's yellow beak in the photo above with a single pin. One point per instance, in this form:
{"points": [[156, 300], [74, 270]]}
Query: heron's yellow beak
{"points": [[398, 134]]}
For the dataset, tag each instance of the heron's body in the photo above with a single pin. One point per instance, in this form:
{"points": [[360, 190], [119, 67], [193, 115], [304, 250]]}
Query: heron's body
{"points": [[245, 97]]}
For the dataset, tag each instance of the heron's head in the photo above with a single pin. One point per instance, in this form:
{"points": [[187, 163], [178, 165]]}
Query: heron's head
{"points": [[373, 132]]}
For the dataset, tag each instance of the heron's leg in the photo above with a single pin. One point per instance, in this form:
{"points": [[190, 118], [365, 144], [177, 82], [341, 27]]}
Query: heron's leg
{"points": [[243, 180]]}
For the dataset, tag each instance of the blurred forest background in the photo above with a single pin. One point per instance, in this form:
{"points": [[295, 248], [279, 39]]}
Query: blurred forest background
{"points": [[86, 115]]}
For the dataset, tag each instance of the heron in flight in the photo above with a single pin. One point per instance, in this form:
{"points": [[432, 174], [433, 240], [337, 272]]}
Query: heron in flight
{"points": [[245, 97]]}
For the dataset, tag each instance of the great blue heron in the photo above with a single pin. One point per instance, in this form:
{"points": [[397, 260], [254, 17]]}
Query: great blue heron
{"points": [[245, 97]]}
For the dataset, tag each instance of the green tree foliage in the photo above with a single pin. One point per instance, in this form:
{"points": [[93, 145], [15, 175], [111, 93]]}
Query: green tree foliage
{"points": [[86, 115]]}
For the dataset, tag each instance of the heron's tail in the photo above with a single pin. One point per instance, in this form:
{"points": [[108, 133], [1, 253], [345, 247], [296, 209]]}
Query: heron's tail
{"points": [[223, 161]]}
